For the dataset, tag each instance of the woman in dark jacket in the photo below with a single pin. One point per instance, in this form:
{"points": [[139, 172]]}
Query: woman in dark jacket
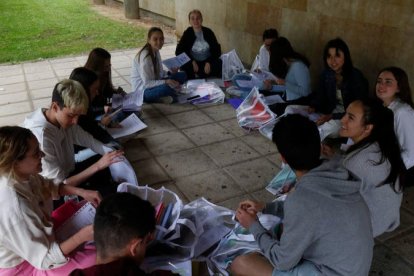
{"points": [[201, 46], [340, 83]]}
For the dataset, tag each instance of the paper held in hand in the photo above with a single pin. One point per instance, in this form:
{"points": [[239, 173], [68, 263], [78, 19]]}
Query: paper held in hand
{"points": [[176, 62], [129, 102], [129, 125]]}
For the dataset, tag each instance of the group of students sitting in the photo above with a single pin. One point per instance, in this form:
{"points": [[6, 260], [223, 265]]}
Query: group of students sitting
{"points": [[329, 219]]}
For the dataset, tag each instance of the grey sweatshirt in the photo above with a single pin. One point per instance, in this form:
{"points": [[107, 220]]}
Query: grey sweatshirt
{"points": [[383, 202], [326, 221]]}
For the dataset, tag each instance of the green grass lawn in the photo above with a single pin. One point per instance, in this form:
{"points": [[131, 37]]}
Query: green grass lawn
{"points": [[34, 29]]}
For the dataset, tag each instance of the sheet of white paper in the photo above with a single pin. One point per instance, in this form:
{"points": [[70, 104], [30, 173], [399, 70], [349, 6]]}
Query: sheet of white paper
{"points": [[117, 100], [131, 101], [269, 100], [176, 62], [123, 171], [83, 217], [130, 125]]}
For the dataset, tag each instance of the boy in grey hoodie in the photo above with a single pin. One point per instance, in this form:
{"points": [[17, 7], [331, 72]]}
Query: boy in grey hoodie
{"points": [[326, 224]]}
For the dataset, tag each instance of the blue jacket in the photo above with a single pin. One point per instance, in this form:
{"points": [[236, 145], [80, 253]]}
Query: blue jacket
{"points": [[353, 87]]}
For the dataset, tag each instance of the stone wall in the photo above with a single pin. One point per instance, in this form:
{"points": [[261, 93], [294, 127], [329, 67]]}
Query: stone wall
{"points": [[378, 32]]}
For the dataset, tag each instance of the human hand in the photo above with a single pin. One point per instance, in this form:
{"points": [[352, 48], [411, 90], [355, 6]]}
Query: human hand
{"points": [[245, 218], [107, 108], [280, 81], [174, 70], [172, 83], [109, 158], [311, 109], [94, 197], [207, 68], [323, 119], [251, 206], [195, 66], [85, 234], [267, 84], [106, 120]]}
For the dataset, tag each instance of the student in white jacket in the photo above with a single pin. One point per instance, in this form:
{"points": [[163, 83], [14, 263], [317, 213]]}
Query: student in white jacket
{"points": [[148, 77], [393, 89], [27, 244], [57, 131]]}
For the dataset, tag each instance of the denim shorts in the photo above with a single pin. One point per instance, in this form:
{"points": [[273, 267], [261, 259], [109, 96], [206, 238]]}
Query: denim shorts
{"points": [[304, 268]]}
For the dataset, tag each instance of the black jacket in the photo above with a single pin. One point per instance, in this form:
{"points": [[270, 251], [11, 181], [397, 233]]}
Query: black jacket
{"points": [[188, 39]]}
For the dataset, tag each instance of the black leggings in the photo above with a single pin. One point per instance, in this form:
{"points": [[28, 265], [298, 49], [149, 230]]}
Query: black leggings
{"points": [[215, 69]]}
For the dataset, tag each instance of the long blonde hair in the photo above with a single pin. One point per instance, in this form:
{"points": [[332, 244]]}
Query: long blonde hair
{"points": [[14, 144]]}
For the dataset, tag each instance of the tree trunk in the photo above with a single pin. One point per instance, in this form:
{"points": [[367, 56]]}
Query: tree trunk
{"points": [[131, 8], [99, 2]]}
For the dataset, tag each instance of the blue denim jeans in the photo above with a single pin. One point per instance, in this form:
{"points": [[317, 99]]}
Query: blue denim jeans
{"points": [[153, 94]]}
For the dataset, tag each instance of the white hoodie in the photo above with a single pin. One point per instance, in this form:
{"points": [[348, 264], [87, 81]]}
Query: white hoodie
{"points": [[57, 145]]}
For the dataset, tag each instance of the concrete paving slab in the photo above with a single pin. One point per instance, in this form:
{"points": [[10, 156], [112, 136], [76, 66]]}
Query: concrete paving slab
{"points": [[42, 103], [15, 108], [234, 127], [12, 120], [189, 119], [149, 172], [13, 98], [11, 71], [207, 134], [168, 142], [220, 112], [11, 79], [215, 186], [136, 150], [259, 143], [168, 109], [229, 152], [386, 263], [252, 175], [275, 158], [185, 163], [406, 224], [41, 93], [46, 83], [156, 126], [403, 245], [11, 88]]}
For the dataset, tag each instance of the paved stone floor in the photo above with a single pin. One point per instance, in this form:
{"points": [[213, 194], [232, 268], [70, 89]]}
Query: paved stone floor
{"points": [[192, 151]]}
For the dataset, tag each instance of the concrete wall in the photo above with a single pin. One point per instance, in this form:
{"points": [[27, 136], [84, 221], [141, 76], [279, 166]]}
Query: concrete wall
{"points": [[378, 32], [162, 7]]}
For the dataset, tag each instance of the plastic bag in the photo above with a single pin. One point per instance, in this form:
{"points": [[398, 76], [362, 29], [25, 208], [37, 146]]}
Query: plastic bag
{"points": [[238, 242], [155, 197], [283, 181], [232, 65], [253, 112], [205, 93]]}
